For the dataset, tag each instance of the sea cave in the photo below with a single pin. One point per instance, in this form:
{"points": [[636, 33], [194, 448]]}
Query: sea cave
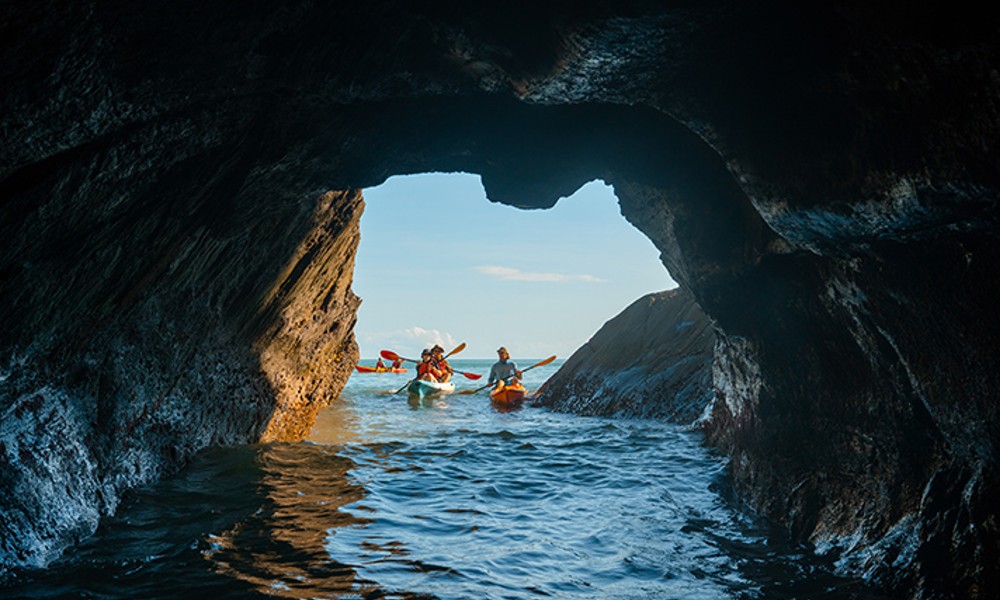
{"points": [[180, 203]]}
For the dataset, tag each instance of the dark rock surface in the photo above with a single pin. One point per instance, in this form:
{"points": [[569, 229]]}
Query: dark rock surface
{"points": [[652, 360], [822, 178], [168, 372]]}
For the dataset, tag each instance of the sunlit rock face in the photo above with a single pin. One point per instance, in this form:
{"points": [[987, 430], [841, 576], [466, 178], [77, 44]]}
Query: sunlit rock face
{"points": [[822, 179], [168, 373], [653, 360]]}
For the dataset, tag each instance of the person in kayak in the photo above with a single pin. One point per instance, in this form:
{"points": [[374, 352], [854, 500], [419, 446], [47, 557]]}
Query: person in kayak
{"points": [[441, 363], [398, 363], [426, 370], [504, 369], [380, 365]]}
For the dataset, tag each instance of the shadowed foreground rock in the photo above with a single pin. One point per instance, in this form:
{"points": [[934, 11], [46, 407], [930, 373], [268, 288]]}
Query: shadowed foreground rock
{"points": [[823, 179], [652, 360]]}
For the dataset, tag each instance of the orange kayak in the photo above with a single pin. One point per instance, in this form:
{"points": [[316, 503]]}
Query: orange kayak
{"points": [[377, 370], [508, 393]]}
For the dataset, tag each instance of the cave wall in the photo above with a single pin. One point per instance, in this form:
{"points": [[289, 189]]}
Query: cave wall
{"points": [[822, 179], [135, 365], [170, 280]]}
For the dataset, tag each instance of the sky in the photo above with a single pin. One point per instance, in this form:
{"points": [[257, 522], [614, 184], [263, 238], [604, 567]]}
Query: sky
{"points": [[439, 263]]}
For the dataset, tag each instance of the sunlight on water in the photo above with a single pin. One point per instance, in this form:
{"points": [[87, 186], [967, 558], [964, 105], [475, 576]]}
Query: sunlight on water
{"points": [[336, 425]]}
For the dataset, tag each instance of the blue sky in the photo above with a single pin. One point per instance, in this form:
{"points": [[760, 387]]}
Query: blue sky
{"points": [[439, 263]]}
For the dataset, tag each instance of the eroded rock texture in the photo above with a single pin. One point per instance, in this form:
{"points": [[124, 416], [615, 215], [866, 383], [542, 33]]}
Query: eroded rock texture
{"points": [[219, 342], [652, 360], [823, 180]]}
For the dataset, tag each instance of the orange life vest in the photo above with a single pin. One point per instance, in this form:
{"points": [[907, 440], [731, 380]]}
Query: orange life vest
{"points": [[442, 366], [428, 368]]}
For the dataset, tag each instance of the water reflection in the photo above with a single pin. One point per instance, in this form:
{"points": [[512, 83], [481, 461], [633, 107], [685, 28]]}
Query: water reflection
{"points": [[245, 522], [449, 498], [506, 407], [281, 548], [437, 402], [335, 425]]}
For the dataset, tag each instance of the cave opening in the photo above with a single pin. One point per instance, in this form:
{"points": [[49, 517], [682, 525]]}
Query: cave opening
{"points": [[439, 263]]}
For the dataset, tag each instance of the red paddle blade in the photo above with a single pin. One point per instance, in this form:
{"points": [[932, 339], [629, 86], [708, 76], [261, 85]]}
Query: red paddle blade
{"points": [[472, 376], [389, 354]]}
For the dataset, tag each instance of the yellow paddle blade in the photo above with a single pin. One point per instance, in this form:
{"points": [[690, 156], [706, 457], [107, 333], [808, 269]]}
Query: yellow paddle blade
{"points": [[542, 363], [457, 349]]}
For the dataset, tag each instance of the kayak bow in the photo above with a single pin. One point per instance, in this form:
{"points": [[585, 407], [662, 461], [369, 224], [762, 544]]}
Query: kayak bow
{"points": [[422, 389], [508, 394]]}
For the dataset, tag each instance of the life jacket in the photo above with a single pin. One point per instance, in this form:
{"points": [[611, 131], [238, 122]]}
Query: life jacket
{"points": [[428, 368], [443, 368]]}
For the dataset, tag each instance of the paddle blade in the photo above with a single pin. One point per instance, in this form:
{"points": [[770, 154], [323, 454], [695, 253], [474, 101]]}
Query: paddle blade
{"points": [[472, 376], [457, 349], [466, 392], [542, 363], [389, 355]]}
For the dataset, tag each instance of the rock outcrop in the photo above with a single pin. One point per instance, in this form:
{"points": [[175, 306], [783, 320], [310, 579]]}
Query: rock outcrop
{"points": [[124, 385], [822, 179], [652, 360], [145, 344]]}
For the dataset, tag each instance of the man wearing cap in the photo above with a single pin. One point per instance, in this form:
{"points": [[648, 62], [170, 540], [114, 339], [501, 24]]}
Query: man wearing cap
{"points": [[504, 368]]}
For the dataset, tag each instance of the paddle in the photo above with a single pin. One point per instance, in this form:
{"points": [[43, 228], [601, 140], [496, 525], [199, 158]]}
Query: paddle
{"points": [[393, 356], [538, 364], [390, 355]]}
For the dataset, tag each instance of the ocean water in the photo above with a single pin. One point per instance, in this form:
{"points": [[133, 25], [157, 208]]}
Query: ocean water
{"points": [[450, 497]]}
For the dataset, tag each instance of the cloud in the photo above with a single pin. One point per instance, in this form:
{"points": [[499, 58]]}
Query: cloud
{"points": [[429, 337], [407, 342], [512, 274]]}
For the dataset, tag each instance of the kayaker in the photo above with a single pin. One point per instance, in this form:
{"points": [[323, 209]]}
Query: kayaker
{"points": [[441, 363], [379, 364], [398, 363], [504, 369], [426, 369]]}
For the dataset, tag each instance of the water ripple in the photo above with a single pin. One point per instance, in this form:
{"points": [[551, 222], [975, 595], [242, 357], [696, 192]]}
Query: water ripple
{"points": [[444, 499]]}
